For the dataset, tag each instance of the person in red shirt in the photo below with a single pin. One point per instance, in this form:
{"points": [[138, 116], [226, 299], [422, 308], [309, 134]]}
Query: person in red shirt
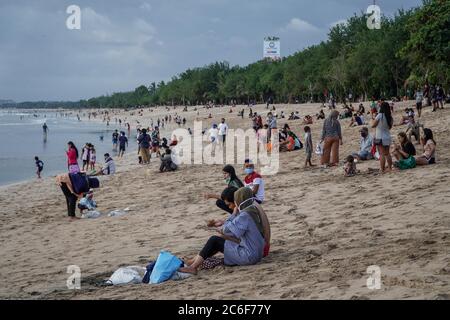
{"points": [[72, 158]]}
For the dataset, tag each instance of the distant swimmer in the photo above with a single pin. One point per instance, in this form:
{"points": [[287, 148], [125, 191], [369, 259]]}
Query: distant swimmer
{"points": [[45, 128]]}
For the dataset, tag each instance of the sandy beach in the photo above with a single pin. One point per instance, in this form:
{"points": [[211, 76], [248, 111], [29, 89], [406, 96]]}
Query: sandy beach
{"points": [[326, 229]]}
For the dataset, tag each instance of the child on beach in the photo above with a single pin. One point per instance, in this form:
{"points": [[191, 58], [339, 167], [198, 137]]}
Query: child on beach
{"points": [[350, 167], [39, 167], [85, 156], [92, 158], [308, 146], [87, 202]]}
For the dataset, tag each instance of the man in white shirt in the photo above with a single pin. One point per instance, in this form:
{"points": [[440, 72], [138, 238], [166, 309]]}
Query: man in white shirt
{"points": [[223, 131], [365, 146], [214, 134]]}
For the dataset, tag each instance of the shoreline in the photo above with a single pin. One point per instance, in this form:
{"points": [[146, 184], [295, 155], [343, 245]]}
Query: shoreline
{"points": [[326, 229]]}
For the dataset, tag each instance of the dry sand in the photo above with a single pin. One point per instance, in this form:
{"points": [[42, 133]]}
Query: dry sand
{"points": [[326, 229]]}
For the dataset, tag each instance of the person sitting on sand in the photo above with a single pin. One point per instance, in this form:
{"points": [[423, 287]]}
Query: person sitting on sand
{"points": [[166, 162], [365, 146], [240, 238], [405, 149], [232, 180], [356, 121], [307, 120], [109, 168], [254, 181], [87, 202], [350, 167], [228, 198], [408, 118], [174, 141], [321, 115], [429, 149], [361, 109]]}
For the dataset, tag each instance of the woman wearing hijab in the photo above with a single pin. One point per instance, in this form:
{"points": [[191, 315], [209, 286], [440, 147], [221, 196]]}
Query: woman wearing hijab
{"points": [[331, 137], [241, 238], [232, 180]]}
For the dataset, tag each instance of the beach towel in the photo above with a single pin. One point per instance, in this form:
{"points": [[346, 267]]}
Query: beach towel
{"points": [[211, 263], [166, 265]]}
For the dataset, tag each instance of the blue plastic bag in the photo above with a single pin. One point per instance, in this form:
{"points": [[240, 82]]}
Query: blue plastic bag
{"points": [[165, 267]]}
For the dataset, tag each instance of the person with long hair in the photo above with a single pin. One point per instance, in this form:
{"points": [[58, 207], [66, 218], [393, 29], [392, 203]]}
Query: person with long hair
{"points": [[241, 238], [405, 149], [231, 179], [429, 149], [331, 138], [72, 158], [383, 123]]}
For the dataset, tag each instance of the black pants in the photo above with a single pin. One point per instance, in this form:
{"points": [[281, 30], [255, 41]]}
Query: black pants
{"points": [[71, 200], [222, 205], [215, 244]]}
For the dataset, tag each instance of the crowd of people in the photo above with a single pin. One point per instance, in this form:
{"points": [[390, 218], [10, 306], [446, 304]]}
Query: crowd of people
{"points": [[244, 237]]}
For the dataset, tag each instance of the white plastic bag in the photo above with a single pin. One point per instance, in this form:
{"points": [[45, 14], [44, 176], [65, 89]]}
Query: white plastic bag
{"points": [[92, 214], [118, 213], [319, 149], [180, 276], [127, 275]]}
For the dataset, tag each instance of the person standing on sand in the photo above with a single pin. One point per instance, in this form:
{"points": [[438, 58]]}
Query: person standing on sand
{"points": [[92, 158], [85, 156], [39, 166], [383, 123], [331, 138], [144, 145], [223, 131], [73, 186], [72, 158], [308, 146]]}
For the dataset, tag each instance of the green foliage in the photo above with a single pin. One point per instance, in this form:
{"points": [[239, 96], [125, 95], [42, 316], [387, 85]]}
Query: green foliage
{"points": [[410, 48]]}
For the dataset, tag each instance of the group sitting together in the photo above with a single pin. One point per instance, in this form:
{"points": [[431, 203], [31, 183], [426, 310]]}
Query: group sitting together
{"points": [[244, 237]]}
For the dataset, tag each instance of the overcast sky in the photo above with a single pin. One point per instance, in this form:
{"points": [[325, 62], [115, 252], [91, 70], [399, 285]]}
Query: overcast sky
{"points": [[125, 43]]}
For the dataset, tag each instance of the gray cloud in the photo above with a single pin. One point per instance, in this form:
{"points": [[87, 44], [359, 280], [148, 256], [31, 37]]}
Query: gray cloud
{"points": [[123, 44]]}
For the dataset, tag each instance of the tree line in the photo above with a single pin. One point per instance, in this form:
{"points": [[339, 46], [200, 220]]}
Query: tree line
{"points": [[411, 48]]}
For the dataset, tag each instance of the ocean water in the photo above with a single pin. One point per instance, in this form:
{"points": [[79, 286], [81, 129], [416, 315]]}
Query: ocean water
{"points": [[22, 138]]}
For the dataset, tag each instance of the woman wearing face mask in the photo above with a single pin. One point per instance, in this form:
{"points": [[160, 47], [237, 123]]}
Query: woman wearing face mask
{"points": [[254, 181], [241, 238], [232, 180]]}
